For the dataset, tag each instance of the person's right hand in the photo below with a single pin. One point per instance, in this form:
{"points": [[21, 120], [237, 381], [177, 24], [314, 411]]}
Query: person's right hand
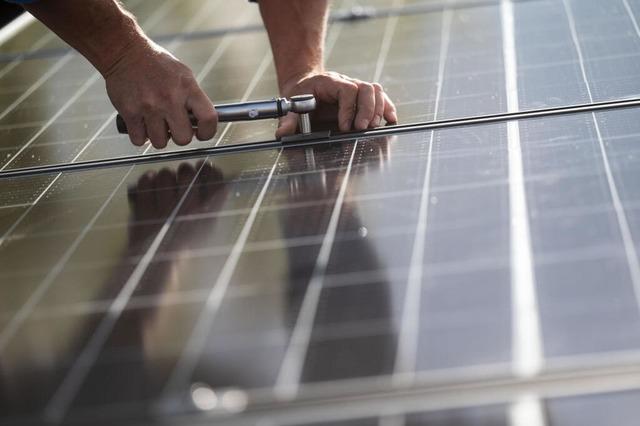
{"points": [[154, 93]]}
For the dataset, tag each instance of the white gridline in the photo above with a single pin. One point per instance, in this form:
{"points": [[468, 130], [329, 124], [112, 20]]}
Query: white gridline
{"points": [[10, 329], [623, 222], [9, 332], [194, 347], [159, 13], [156, 16], [408, 341], [288, 379], [58, 405], [527, 346], [526, 399]]}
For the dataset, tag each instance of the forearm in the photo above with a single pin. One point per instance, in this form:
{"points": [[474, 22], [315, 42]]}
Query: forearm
{"points": [[297, 31], [101, 30]]}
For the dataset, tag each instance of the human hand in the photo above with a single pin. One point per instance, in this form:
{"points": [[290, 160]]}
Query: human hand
{"points": [[154, 93], [156, 193], [352, 103]]}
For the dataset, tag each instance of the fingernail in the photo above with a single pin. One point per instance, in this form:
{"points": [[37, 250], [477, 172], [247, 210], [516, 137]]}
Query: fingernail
{"points": [[377, 121], [346, 125]]}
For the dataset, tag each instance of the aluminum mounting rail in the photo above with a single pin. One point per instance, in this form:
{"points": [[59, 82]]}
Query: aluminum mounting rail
{"points": [[320, 139]]}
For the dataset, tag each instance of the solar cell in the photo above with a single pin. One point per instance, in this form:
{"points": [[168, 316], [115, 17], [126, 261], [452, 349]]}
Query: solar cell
{"points": [[619, 409]]}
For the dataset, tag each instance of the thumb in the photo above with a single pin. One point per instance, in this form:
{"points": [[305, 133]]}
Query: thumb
{"points": [[287, 125]]}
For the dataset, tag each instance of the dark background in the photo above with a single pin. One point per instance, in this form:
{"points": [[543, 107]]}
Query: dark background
{"points": [[8, 12]]}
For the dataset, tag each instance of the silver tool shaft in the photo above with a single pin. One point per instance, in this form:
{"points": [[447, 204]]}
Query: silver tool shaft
{"points": [[255, 110]]}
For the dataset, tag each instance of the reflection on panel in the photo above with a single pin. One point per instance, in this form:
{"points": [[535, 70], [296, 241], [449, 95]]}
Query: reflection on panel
{"points": [[250, 281]]}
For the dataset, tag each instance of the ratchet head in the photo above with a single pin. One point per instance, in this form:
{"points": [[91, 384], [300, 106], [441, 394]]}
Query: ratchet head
{"points": [[303, 104]]}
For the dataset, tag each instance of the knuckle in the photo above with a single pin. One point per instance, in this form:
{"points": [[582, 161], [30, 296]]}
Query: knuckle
{"points": [[367, 87], [187, 81], [378, 87], [367, 110], [332, 75], [350, 88], [327, 79], [148, 105], [162, 101], [130, 112]]}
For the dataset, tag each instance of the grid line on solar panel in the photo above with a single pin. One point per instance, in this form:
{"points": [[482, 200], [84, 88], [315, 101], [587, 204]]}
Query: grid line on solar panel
{"points": [[198, 17], [288, 379], [601, 142], [623, 221], [43, 79], [405, 362], [194, 23], [7, 333], [103, 144], [37, 45], [527, 344], [206, 69], [70, 386], [57, 406]]}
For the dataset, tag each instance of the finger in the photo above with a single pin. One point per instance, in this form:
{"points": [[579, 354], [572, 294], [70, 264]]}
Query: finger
{"points": [[366, 106], [206, 170], [347, 96], [165, 191], [202, 108], [186, 173], [144, 198], [287, 125], [390, 112], [158, 131], [180, 125], [166, 179], [145, 183], [380, 105], [136, 129]]}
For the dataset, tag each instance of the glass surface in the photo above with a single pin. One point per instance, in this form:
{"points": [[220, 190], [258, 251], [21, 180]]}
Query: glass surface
{"points": [[54, 109], [262, 282]]}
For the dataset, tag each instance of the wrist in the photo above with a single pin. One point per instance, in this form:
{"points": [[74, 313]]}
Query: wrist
{"points": [[134, 50], [292, 79], [126, 42]]}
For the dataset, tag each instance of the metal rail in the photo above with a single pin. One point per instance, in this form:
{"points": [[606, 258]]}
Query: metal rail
{"points": [[428, 397], [307, 141]]}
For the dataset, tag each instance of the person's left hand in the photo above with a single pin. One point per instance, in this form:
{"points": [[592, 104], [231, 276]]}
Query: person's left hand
{"points": [[352, 103]]}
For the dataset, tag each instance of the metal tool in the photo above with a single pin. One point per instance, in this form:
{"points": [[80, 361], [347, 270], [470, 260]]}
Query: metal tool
{"points": [[257, 110]]}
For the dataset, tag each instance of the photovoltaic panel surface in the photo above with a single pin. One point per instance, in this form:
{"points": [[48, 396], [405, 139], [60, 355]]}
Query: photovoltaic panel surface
{"points": [[56, 109], [483, 274]]}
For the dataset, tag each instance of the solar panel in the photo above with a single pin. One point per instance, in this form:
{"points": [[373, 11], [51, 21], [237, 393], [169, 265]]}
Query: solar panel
{"points": [[483, 274]]}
